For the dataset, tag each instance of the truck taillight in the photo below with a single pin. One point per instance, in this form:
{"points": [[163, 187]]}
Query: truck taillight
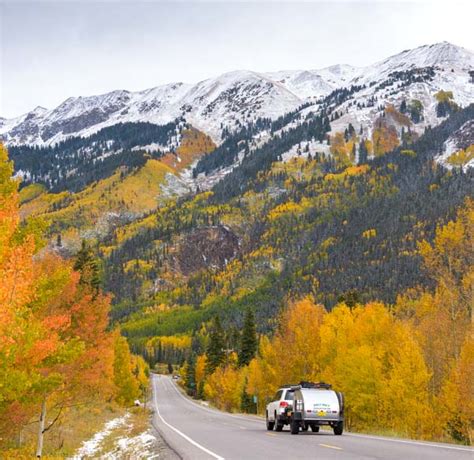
{"points": [[283, 404]]}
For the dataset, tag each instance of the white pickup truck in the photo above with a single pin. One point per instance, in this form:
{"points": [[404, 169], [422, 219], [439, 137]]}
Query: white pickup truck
{"points": [[311, 405]]}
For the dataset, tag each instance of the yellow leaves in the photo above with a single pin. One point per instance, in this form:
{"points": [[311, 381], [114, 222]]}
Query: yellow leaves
{"points": [[453, 245], [200, 371], [341, 150], [31, 192], [177, 342], [442, 318], [369, 146], [328, 242], [126, 232], [125, 381], [408, 153], [290, 208], [462, 157], [292, 354], [356, 170], [182, 342], [444, 96], [368, 234], [348, 172], [138, 265], [224, 387], [364, 352], [457, 397], [138, 192]]}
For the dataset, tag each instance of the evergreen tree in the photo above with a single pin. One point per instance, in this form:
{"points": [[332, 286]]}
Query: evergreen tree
{"points": [[248, 345], [190, 376], [351, 130], [215, 349], [86, 264], [247, 405], [403, 106], [200, 390], [363, 153]]}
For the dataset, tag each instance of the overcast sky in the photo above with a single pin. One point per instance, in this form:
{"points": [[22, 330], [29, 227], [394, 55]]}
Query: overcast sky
{"points": [[53, 50]]}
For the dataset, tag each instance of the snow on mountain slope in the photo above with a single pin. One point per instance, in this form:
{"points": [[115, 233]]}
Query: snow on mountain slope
{"points": [[443, 55], [463, 138], [304, 83], [238, 97], [209, 105]]}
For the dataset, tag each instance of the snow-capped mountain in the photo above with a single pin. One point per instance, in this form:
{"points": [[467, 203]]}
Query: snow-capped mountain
{"points": [[238, 97]]}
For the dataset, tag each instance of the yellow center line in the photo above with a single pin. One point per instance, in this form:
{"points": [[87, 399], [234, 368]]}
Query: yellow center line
{"points": [[331, 447], [271, 434]]}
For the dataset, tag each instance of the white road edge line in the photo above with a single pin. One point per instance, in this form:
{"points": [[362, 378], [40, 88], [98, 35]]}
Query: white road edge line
{"points": [[194, 443], [377, 438], [403, 441], [215, 412]]}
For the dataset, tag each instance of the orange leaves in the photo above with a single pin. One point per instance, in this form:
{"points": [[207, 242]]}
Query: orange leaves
{"points": [[392, 112], [384, 139], [16, 270], [194, 144], [53, 336], [43, 349], [57, 323]]}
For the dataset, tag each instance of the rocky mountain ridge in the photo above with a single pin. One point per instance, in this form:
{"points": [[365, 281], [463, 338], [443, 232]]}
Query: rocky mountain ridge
{"points": [[236, 98]]}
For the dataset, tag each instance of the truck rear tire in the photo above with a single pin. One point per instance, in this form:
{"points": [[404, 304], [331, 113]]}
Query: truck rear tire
{"points": [[304, 427], [279, 427], [270, 425], [338, 429], [315, 428], [295, 427]]}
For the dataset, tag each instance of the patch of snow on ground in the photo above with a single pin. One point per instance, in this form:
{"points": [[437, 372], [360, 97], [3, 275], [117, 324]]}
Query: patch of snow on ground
{"points": [[142, 446], [305, 148], [150, 148], [90, 447], [450, 147]]}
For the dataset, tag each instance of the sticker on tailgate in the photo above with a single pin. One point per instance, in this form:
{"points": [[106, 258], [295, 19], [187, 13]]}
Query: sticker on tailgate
{"points": [[322, 409]]}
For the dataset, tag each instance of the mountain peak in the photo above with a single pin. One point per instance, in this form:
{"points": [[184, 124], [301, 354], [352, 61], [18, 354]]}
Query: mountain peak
{"points": [[236, 95], [436, 55]]}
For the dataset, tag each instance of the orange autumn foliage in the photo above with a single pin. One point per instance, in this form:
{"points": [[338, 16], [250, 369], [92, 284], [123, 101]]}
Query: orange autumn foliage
{"points": [[384, 138], [55, 347]]}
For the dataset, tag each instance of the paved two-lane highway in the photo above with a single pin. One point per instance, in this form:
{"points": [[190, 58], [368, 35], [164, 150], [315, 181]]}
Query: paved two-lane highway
{"points": [[197, 432]]}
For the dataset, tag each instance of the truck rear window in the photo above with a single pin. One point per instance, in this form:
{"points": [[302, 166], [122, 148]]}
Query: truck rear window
{"points": [[289, 395]]}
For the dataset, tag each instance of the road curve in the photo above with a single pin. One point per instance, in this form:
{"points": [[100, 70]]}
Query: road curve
{"points": [[197, 432]]}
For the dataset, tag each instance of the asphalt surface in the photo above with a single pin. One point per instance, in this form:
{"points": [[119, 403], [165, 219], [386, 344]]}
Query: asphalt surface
{"points": [[197, 432]]}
